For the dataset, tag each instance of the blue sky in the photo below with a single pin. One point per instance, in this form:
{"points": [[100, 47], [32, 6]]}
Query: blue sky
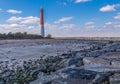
{"points": [[63, 18]]}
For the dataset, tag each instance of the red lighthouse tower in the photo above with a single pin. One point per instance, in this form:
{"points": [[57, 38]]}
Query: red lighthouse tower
{"points": [[42, 22]]}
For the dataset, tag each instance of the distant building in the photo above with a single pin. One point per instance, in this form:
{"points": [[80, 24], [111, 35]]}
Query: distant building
{"points": [[42, 22]]}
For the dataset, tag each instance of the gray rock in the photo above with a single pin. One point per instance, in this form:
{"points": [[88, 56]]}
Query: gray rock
{"points": [[1, 81], [102, 68], [95, 61], [71, 81], [116, 63], [101, 78], [43, 79], [75, 61], [115, 79], [112, 56], [80, 74]]}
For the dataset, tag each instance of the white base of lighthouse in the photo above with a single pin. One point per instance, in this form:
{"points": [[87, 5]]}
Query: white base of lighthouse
{"points": [[42, 31]]}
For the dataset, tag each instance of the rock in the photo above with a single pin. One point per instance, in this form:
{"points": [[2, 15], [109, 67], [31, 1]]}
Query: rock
{"points": [[96, 79], [80, 55], [115, 79], [95, 61], [45, 79], [71, 81], [59, 81], [66, 76], [80, 74], [112, 56], [116, 63], [101, 78], [1, 81], [75, 61], [102, 68], [64, 63], [6, 74]]}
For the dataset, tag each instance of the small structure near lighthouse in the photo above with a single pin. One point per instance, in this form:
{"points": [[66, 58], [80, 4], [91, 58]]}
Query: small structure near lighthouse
{"points": [[42, 22]]}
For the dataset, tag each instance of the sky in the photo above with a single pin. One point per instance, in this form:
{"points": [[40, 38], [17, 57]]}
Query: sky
{"points": [[63, 18]]}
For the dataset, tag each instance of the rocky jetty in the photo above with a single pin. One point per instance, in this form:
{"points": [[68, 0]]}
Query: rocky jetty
{"points": [[61, 62]]}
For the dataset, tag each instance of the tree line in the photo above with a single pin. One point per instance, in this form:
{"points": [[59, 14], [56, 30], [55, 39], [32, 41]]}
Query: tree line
{"points": [[20, 35]]}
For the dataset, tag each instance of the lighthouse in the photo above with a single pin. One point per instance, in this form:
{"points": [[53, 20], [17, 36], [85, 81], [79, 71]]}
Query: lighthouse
{"points": [[42, 22]]}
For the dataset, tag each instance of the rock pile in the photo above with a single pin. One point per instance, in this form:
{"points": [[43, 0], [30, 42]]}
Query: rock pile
{"points": [[96, 64]]}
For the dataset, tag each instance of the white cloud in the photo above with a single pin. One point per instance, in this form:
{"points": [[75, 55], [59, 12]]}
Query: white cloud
{"points": [[113, 24], [28, 24], [55, 26], [30, 20], [89, 23], [12, 11], [109, 8], [24, 20], [90, 26], [10, 26], [68, 26], [14, 19], [108, 23], [64, 19], [117, 26], [117, 16], [16, 25], [31, 27], [0, 9], [6, 28], [59, 30], [79, 1]]}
